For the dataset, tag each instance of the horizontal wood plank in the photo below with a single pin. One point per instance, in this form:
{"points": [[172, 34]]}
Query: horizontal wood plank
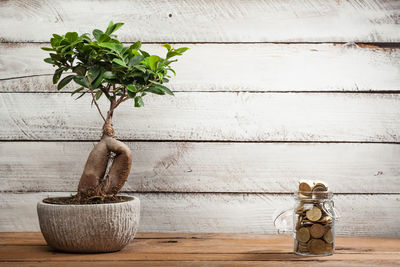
{"points": [[203, 263], [268, 248], [207, 21], [208, 116], [361, 215], [209, 167], [236, 67]]}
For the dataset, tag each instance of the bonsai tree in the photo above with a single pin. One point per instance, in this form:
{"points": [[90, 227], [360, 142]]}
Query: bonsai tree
{"points": [[103, 67]]}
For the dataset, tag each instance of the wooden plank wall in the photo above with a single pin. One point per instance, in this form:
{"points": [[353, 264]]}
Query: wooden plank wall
{"points": [[270, 92]]}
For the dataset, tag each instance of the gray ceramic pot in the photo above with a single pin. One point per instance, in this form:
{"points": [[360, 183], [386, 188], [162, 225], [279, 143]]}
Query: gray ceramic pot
{"points": [[89, 228]]}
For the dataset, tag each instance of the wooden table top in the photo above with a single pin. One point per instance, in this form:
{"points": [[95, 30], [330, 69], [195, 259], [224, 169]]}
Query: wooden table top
{"points": [[177, 249]]}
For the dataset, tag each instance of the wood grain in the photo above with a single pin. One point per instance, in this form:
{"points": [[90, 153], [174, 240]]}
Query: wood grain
{"points": [[361, 215], [208, 116], [204, 263], [235, 67], [209, 167], [200, 251], [221, 21]]}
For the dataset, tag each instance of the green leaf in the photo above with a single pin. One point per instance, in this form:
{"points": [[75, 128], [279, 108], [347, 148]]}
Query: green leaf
{"points": [[182, 49], [155, 90], [119, 62], [94, 72], [110, 27], [82, 81], [98, 94], [113, 46], [172, 54], [136, 45], [97, 33], [96, 83], [47, 49], [131, 94], [144, 53], [49, 60], [109, 75], [168, 46], [104, 38], [57, 75], [117, 26], [131, 88], [165, 89], [71, 36], [135, 60], [80, 96], [77, 90], [80, 70], [153, 59], [113, 27], [142, 69], [139, 102], [65, 81]]}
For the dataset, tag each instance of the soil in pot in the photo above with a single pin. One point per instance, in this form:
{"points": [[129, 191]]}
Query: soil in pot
{"points": [[75, 200]]}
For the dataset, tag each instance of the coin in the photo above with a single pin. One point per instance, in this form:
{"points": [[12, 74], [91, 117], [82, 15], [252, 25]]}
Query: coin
{"points": [[328, 237], [314, 214], [316, 246], [303, 234], [305, 189], [317, 230], [302, 247], [325, 219]]}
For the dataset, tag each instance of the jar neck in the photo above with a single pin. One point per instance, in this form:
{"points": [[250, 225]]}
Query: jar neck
{"points": [[313, 196]]}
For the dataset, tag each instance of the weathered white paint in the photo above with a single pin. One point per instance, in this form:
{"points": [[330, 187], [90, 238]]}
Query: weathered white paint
{"points": [[364, 215], [236, 67], [207, 20], [208, 116], [209, 167]]}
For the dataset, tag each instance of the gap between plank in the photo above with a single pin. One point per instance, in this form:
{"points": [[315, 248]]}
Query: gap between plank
{"points": [[201, 193], [201, 141], [379, 44]]}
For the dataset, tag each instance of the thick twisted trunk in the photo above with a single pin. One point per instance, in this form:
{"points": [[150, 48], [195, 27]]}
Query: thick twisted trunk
{"points": [[94, 180]]}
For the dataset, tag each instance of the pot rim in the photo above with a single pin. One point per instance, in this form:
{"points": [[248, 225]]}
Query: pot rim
{"points": [[131, 199]]}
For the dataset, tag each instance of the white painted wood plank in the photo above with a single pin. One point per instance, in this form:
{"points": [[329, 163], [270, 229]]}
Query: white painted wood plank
{"points": [[362, 215], [209, 167], [207, 20], [238, 67], [208, 116]]}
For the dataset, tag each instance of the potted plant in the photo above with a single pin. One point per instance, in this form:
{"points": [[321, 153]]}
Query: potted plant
{"points": [[96, 219]]}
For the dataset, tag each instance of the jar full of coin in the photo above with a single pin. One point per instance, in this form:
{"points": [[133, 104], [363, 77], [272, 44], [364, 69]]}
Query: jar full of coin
{"points": [[313, 218]]}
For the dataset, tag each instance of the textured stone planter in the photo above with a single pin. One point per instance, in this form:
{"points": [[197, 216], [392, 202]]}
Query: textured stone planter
{"points": [[89, 228]]}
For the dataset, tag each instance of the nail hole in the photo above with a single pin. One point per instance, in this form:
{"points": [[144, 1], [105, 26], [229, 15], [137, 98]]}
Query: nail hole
{"points": [[169, 15]]}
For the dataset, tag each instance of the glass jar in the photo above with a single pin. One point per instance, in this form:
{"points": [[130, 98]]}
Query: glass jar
{"points": [[312, 222]]}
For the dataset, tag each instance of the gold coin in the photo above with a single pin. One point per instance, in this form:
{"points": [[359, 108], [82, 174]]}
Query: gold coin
{"points": [[316, 246], [303, 234], [300, 209], [317, 230], [328, 236], [302, 247], [325, 219], [298, 224], [319, 187], [319, 190], [304, 189], [314, 214]]}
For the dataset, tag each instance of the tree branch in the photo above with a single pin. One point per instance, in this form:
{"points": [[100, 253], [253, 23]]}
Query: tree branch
{"points": [[94, 98]]}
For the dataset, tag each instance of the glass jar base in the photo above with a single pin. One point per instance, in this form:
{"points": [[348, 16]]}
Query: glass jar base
{"points": [[313, 255]]}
